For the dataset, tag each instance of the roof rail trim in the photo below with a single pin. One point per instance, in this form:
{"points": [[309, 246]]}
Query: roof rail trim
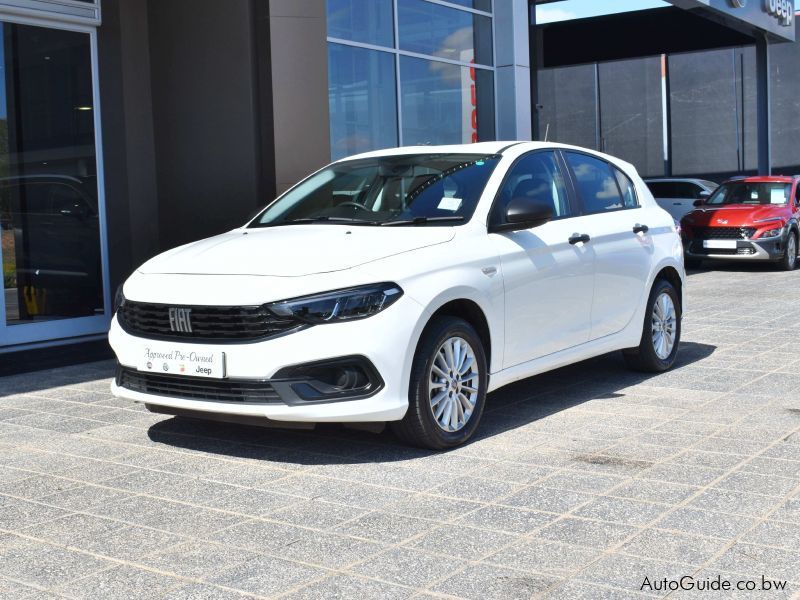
{"points": [[509, 146]]}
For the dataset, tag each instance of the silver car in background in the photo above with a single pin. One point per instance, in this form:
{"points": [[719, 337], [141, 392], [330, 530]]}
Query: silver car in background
{"points": [[677, 196]]}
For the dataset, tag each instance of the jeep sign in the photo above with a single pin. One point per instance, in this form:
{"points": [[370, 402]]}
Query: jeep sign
{"points": [[783, 10], [773, 17]]}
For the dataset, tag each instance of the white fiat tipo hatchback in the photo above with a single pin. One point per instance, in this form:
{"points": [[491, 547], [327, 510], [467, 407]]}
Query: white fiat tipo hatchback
{"points": [[403, 285]]}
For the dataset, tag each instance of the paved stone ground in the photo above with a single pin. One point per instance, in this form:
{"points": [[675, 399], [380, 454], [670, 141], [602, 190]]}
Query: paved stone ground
{"points": [[583, 482]]}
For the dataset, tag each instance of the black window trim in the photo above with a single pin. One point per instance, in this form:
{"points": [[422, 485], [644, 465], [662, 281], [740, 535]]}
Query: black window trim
{"points": [[574, 208], [572, 176]]}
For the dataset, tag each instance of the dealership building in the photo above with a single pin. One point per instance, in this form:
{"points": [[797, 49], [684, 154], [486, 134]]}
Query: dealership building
{"points": [[128, 127]]}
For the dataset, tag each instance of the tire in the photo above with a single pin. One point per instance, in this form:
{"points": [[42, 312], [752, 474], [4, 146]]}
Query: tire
{"points": [[789, 260], [692, 263], [420, 426], [646, 357]]}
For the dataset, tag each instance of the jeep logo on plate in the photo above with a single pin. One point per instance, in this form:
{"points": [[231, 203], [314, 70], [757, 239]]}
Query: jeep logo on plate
{"points": [[180, 320]]}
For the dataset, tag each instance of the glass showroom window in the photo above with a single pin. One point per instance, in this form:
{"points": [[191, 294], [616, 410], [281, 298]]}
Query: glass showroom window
{"points": [[407, 72], [363, 99], [50, 216]]}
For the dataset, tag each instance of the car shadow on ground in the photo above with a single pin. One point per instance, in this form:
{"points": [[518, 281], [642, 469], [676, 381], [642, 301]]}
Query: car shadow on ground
{"points": [[512, 406]]}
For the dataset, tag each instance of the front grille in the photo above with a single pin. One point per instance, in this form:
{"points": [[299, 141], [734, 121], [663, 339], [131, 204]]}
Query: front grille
{"points": [[723, 233], [208, 323], [198, 388]]}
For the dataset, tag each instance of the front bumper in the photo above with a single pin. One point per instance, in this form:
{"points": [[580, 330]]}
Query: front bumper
{"points": [[386, 340], [769, 249]]}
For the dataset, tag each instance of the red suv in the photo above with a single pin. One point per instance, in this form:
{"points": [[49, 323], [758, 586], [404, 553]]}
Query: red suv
{"points": [[746, 218]]}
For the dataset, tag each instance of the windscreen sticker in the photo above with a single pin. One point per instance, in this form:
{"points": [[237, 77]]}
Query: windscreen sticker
{"points": [[451, 204], [777, 196]]}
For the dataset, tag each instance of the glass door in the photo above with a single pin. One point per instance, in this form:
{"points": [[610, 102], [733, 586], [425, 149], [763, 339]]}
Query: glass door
{"points": [[51, 208]]}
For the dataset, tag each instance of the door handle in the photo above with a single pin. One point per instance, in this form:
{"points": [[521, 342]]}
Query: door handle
{"points": [[676, 204], [640, 228], [579, 237]]}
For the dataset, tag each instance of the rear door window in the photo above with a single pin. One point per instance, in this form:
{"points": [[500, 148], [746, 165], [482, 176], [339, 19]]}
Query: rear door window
{"points": [[596, 183]]}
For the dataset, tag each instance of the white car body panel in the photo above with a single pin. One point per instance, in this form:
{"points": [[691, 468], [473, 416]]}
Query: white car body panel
{"points": [[546, 303]]}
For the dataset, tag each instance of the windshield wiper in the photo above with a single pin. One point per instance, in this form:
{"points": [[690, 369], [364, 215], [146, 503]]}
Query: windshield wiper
{"points": [[422, 221], [323, 219]]}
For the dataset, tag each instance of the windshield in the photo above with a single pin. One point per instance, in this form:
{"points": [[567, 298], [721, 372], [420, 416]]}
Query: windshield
{"points": [[748, 192], [433, 189]]}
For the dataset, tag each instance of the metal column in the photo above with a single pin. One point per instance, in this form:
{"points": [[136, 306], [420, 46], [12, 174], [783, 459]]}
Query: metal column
{"points": [[764, 129], [535, 57]]}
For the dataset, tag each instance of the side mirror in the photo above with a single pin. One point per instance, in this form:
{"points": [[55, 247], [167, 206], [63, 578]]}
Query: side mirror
{"points": [[698, 203], [524, 213], [704, 194]]}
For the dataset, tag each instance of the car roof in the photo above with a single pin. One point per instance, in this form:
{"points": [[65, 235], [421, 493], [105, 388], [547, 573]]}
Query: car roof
{"points": [[485, 148]]}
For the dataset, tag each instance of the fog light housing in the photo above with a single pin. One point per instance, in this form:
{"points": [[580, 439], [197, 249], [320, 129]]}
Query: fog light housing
{"points": [[346, 378]]}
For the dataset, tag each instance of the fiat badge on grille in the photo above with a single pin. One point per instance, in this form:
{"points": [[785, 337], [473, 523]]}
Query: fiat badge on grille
{"points": [[180, 319]]}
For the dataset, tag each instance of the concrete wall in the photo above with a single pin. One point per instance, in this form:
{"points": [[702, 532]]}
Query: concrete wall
{"points": [[128, 136], [299, 85], [206, 126]]}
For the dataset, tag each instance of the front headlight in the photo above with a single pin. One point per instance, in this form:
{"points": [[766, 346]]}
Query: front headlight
{"points": [[340, 305], [119, 298], [772, 233]]}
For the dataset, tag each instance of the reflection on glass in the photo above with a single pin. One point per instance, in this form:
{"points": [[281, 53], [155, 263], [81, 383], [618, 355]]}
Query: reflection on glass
{"points": [[365, 21], [444, 103], [363, 100], [48, 189], [444, 32]]}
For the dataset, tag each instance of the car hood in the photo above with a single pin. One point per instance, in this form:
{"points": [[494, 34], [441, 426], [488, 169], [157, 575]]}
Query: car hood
{"points": [[294, 251], [734, 215]]}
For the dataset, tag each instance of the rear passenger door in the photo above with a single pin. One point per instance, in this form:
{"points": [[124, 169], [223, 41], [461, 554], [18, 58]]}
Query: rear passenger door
{"points": [[619, 237]]}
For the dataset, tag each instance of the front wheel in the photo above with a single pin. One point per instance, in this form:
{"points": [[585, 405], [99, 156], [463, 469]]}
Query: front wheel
{"points": [[789, 260], [661, 332], [447, 391]]}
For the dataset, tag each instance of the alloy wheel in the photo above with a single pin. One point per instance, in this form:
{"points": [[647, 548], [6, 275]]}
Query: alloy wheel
{"points": [[453, 384], [664, 322]]}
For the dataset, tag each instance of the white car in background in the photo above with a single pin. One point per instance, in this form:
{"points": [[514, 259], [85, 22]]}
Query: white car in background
{"points": [[679, 196], [403, 285]]}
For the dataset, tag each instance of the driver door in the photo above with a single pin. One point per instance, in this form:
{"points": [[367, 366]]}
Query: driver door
{"points": [[549, 281]]}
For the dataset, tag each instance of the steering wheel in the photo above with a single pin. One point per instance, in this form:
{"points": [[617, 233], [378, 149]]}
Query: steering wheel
{"points": [[353, 204]]}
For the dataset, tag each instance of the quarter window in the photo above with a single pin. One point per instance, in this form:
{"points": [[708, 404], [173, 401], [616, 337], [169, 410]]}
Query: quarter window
{"points": [[628, 191], [536, 176], [596, 183]]}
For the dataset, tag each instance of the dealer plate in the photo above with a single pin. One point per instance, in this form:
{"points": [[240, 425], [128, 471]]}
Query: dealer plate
{"points": [[167, 359], [720, 244]]}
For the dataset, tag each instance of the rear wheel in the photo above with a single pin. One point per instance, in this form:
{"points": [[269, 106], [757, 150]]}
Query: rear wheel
{"points": [[447, 391], [789, 260], [661, 332]]}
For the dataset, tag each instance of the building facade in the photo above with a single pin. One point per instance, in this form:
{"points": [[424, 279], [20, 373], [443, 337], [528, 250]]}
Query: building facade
{"points": [[128, 127]]}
